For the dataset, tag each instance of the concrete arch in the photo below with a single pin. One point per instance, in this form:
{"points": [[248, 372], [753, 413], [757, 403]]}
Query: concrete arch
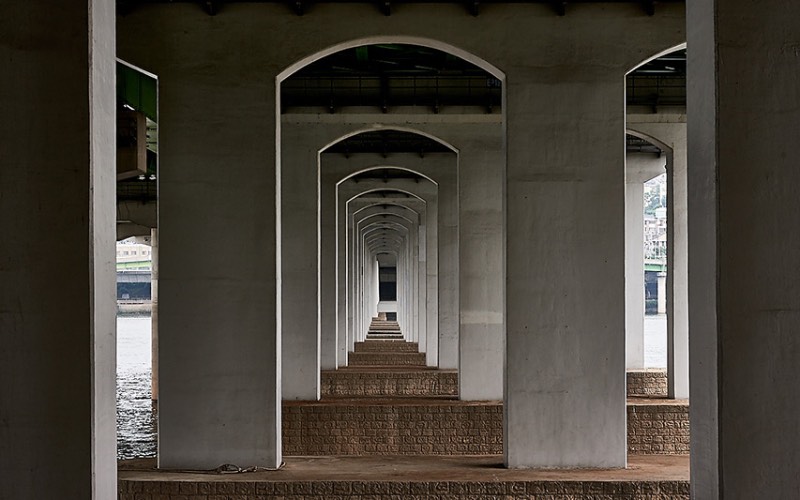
{"points": [[375, 190], [386, 167], [664, 52], [378, 126], [400, 39], [396, 210], [648, 137]]}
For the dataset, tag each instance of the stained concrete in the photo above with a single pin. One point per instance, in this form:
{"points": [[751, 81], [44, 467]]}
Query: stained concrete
{"points": [[744, 301], [57, 310]]}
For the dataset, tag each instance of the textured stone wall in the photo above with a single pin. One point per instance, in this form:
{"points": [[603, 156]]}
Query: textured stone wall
{"points": [[650, 383], [658, 429], [450, 429], [406, 490], [394, 383], [386, 359], [405, 429], [386, 346]]}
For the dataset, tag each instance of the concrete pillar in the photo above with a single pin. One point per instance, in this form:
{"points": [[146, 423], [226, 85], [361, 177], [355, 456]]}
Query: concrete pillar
{"points": [[482, 264], [639, 168], [634, 274], [565, 288], [744, 305], [57, 310], [300, 335], [154, 311], [662, 293], [219, 367], [447, 266], [678, 271]]}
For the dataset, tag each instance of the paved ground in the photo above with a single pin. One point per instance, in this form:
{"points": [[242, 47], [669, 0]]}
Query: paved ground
{"points": [[418, 468]]}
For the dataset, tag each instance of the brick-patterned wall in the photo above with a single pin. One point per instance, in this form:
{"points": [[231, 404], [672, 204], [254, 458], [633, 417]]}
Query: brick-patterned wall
{"points": [[386, 359], [658, 429], [394, 383], [386, 346], [450, 429], [394, 490], [407, 429], [650, 383]]}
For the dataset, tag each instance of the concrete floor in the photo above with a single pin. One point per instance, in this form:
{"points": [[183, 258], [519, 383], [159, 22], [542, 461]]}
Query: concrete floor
{"points": [[421, 468]]}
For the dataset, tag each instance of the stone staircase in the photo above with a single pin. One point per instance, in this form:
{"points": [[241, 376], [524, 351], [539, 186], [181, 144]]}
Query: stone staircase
{"points": [[381, 328], [388, 403], [386, 353]]}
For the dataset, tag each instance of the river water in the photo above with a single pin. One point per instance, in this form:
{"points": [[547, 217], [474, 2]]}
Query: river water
{"points": [[136, 419], [136, 416]]}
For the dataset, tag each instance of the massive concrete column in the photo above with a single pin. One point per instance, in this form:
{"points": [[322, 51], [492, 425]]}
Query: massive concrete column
{"points": [[634, 274], [300, 337], [639, 168], [219, 352], [482, 264], [744, 302], [565, 288], [57, 185], [678, 269], [154, 312]]}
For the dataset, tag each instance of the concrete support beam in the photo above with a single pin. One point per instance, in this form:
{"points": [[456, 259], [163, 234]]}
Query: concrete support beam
{"points": [[300, 327], [639, 168], [744, 302], [669, 133], [57, 184], [565, 372], [482, 264], [154, 312], [219, 352]]}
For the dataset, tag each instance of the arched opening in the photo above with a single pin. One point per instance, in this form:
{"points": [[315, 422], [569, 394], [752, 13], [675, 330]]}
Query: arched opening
{"points": [[370, 117]]}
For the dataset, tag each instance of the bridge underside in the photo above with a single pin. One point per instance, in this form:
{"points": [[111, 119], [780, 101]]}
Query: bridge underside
{"points": [[293, 207]]}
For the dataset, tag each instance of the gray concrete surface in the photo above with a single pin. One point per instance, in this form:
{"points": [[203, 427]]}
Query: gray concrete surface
{"points": [[57, 185]]}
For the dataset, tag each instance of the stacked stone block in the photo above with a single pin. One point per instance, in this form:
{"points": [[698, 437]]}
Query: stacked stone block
{"points": [[658, 429], [364, 383], [402, 489], [386, 359], [394, 428], [647, 383]]}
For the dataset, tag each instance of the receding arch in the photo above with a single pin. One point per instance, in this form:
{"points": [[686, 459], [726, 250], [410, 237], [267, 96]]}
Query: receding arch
{"points": [[386, 39], [385, 167], [397, 128], [386, 190], [655, 56]]}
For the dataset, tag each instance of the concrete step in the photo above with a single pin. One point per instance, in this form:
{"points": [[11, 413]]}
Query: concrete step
{"points": [[386, 359], [384, 337], [407, 477], [386, 346], [648, 383], [384, 330], [376, 382], [437, 426], [392, 426]]}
